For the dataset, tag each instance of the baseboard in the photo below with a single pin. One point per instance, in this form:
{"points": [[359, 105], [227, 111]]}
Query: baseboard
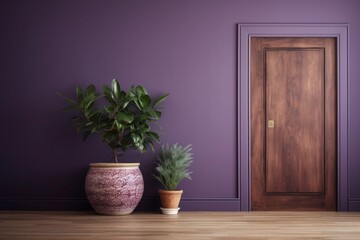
{"points": [[354, 205], [81, 204], [209, 204], [44, 204], [146, 204]]}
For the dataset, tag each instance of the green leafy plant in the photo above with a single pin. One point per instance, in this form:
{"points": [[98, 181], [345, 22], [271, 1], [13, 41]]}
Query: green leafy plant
{"points": [[172, 165], [120, 118]]}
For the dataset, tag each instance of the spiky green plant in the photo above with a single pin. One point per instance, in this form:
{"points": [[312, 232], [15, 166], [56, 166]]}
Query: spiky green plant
{"points": [[172, 165]]}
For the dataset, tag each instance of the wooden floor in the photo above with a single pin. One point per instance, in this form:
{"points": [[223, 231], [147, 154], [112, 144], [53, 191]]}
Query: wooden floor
{"points": [[186, 225]]}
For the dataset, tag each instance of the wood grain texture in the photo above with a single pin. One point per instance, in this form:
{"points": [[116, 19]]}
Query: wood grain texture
{"points": [[293, 82], [294, 88], [186, 225]]}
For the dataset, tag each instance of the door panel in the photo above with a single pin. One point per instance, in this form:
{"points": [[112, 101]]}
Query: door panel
{"points": [[293, 123], [295, 145]]}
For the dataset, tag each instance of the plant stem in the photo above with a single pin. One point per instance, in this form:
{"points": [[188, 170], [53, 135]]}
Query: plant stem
{"points": [[115, 155]]}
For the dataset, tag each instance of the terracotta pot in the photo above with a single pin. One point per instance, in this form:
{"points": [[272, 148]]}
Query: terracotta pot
{"points": [[170, 199], [114, 188]]}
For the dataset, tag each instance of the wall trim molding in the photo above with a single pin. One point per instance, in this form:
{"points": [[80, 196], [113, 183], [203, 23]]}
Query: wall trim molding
{"points": [[245, 32], [354, 204], [44, 204], [145, 205]]}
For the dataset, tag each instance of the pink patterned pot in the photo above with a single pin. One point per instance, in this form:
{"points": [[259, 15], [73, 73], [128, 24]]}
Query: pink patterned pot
{"points": [[114, 188]]}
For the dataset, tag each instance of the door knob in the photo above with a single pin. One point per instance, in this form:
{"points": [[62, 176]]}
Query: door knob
{"points": [[271, 123]]}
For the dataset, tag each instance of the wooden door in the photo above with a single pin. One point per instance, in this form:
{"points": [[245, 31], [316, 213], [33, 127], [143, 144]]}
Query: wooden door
{"points": [[293, 123]]}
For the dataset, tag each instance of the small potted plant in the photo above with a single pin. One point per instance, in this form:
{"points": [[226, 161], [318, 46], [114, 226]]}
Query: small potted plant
{"points": [[172, 166], [121, 119]]}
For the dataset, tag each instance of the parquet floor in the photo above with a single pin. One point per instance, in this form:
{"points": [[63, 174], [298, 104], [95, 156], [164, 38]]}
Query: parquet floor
{"points": [[186, 225]]}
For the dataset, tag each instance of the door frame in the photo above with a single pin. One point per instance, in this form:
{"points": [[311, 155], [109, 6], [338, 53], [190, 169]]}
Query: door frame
{"points": [[245, 33]]}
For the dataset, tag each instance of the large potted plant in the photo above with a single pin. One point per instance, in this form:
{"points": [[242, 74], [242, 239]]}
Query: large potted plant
{"points": [[172, 166], [122, 120]]}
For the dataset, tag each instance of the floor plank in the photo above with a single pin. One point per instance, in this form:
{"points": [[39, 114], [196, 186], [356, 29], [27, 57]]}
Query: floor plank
{"points": [[186, 225]]}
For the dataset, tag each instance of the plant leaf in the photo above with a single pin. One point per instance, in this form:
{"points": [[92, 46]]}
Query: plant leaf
{"points": [[154, 114], [66, 98], [141, 90], [108, 94], [151, 145], [109, 109], [90, 90], [145, 101], [116, 88], [79, 93], [124, 117], [154, 135], [160, 99]]}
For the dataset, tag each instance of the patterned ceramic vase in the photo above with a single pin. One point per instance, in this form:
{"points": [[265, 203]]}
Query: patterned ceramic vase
{"points": [[114, 188]]}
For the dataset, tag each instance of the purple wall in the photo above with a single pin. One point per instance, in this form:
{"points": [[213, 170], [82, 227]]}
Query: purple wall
{"points": [[187, 48]]}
